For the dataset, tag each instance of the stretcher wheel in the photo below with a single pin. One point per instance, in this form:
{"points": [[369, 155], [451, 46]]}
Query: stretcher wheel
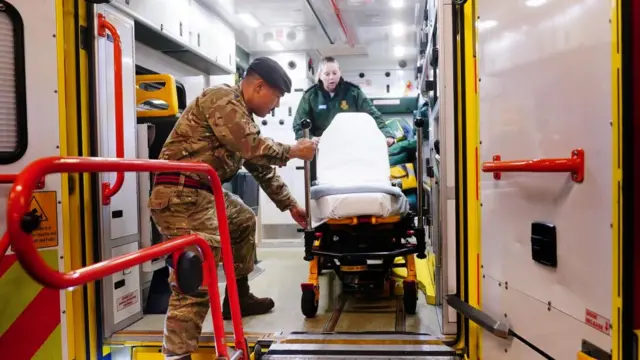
{"points": [[257, 352], [410, 297], [308, 303]]}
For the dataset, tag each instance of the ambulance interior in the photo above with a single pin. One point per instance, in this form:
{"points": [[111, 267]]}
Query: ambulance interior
{"points": [[390, 80], [478, 83]]}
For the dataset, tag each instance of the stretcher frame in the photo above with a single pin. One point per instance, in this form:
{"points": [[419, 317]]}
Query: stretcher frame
{"points": [[401, 226]]}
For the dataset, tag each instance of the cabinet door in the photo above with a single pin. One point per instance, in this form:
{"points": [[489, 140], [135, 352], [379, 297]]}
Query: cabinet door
{"points": [[176, 18], [215, 40], [227, 50], [150, 10], [204, 31], [196, 21]]}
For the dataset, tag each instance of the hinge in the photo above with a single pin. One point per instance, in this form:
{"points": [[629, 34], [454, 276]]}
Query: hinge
{"points": [[83, 36]]}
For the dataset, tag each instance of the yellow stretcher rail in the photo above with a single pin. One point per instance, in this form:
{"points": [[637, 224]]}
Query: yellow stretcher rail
{"points": [[355, 220]]}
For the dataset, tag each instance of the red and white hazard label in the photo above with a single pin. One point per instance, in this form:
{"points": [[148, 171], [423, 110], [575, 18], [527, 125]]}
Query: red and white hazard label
{"points": [[127, 300], [597, 321]]}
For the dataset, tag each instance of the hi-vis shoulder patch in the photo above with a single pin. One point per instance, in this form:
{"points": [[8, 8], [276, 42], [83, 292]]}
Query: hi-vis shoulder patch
{"points": [[344, 105]]}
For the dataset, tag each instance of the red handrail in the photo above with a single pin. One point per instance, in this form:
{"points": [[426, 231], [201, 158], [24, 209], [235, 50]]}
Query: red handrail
{"points": [[573, 164], [10, 178], [29, 258], [103, 26], [7, 178], [336, 10], [4, 245]]}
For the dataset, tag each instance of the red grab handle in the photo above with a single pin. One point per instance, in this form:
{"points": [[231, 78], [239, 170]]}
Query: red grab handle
{"points": [[573, 164], [103, 26]]}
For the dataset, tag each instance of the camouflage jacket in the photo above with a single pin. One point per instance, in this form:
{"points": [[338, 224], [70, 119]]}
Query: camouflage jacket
{"points": [[318, 106], [218, 129]]}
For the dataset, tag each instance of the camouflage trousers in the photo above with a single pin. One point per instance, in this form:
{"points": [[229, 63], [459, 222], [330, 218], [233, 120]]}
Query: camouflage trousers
{"points": [[179, 211]]}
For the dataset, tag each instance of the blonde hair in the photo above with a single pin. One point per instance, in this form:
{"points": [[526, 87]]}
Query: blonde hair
{"points": [[326, 60]]}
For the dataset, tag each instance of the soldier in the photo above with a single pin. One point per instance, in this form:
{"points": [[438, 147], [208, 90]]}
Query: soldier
{"points": [[330, 96], [217, 128]]}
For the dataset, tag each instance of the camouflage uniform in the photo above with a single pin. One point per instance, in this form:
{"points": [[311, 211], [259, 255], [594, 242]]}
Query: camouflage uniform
{"points": [[320, 108], [216, 128]]}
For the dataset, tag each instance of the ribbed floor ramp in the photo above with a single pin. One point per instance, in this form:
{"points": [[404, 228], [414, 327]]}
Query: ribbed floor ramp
{"points": [[358, 346]]}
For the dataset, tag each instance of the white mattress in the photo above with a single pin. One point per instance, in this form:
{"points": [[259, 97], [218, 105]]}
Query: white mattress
{"points": [[354, 182], [349, 205]]}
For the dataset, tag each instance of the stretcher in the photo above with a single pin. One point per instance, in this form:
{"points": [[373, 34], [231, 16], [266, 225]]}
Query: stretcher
{"points": [[359, 223]]}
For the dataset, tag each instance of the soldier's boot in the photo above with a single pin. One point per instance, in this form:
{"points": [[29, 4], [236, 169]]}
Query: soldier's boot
{"points": [[249, 303]]}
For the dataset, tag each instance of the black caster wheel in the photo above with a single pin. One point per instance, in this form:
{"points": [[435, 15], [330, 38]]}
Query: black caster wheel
{"points": [[410, 297], [308, 303], [257, 352]]}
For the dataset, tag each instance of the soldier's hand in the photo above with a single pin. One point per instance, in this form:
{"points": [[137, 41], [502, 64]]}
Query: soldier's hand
{"points": [[299, 215], [304, 149]]}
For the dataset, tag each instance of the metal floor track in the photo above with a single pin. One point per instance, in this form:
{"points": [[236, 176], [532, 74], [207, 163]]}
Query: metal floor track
{"points": [[359, 346]]}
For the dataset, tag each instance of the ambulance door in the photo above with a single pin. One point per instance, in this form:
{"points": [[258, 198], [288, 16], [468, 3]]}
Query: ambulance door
{"points": [[119, 219], [29, 130], [544, 90], [442, 120]]}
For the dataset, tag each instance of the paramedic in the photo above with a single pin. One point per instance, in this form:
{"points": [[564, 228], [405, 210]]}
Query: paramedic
{"points": [[330, 96], [217, 128]]}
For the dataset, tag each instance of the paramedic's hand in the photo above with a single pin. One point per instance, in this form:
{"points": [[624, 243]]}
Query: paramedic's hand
{"points": [[390, 141], [299, 215], [316, 140], [304, 149]]}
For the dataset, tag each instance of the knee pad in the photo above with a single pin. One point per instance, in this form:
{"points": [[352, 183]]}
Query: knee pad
{"points": [[187, 267]]}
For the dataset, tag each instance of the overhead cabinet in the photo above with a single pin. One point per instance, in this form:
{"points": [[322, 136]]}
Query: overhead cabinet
{"points": [[185, 30]]}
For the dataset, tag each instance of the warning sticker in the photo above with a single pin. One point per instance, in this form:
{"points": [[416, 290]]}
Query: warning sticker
{"points": [[44, 204], [127, 300], [597, 321]]}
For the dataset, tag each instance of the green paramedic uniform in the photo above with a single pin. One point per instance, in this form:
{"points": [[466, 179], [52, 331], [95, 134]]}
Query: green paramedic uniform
{"points": [[320, 108]]}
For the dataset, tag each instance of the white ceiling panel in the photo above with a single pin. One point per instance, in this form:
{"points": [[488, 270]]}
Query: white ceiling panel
{"points": [[373, 25]]}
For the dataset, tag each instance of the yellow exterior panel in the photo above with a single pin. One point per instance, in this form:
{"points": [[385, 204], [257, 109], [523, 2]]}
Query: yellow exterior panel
{"points": [[616, 153], [69, 146], [472, 149], [155, 353], [61, 53]]}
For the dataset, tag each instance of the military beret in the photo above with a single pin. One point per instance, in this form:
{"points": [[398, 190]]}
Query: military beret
{"points": [[272, 73]]}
